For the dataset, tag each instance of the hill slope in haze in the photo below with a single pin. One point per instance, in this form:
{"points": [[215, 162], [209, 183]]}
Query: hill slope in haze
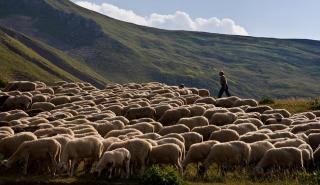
{"points": [[104, 49]]}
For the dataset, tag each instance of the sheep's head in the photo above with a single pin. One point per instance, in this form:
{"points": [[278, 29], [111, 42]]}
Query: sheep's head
{"points": [[6, 163]]}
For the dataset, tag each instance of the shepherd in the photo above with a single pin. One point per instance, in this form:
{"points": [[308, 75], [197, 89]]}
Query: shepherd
{"points": [[224, 85]]}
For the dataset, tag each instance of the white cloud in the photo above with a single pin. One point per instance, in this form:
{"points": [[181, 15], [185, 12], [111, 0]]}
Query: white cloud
{"points": [[177, 21]]}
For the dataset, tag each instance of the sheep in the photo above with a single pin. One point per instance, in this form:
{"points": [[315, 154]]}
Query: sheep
{"points": [[307, 155], [124, 120], [22, 102], [283, 112], [140, 120], [253, 137], [221, 119], [243, 128], [260, 108], [22, 86], [314, 140], [139, 150], [9, 145], [142, 127], [39, 98], [194, 121], [265, 117], [225, 102], [116, 133], [37, 150], [281, 134], [224, 135], [53, 131], [206, 100], [191, 138], [80, 149], [59, 100], [209, 112], [7, 130], [113, 160], [231, 153], [104, 128], [160, 110], [140, 112], [287, 157], [258, 149], [152, 136], [283, 121], [206, 131], [196, 110], [304, 127], [174, 129], [107, 142], [173, 135], [250, 102], [157, 126], [275, 127], [197, 153], [289, 143], [166, 154], [172, 116]]}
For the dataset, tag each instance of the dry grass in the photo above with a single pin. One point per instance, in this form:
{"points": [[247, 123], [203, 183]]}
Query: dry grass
{"points": [[293, 105]]}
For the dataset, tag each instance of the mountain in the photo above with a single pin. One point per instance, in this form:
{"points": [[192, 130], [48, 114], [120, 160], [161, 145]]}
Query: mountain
{"points": [[83, 45]]}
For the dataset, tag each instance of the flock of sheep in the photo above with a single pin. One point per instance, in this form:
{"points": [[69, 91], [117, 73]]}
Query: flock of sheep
{"points": [[123, 129]]}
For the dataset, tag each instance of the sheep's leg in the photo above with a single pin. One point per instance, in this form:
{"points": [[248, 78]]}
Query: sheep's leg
{"points": [[74, 163], [127, 169], [53, 165], [25, 169]]}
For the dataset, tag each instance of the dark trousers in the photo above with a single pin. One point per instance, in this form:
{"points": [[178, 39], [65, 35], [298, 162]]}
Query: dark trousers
{"points": [[222, 90]]}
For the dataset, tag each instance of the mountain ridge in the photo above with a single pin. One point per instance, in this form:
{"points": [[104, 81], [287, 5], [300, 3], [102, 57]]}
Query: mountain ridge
{"points": [[120, 52]]}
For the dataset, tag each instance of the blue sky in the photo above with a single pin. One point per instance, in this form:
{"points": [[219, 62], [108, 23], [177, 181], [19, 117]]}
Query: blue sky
{"points": [[263, 18]]}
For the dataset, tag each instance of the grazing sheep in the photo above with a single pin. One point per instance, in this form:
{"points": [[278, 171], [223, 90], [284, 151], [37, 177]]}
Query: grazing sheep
{"points": [[307, 155], [258, 123], [258, 149], [9, 145], [250, 102], [142, 127], [283, 112], [104, 128], [172, 116], [160, 110], [221, 119], [206, 100], [194, 121], [234, 153], [109, 141], [206, 131], [79, 149], [166, 154], [157, 126], [173, 135], [21, 102], [116, 133], [152, 136], [197, 153], [197, 110], [176, 141], [140, 112], [281, 134], [139, 150], [283, 121], [243, 128], [174, 129], [118, 159], [287, 157], [253, 137], [304, 127], [260, 109], [289, 143], [40, 149], [224, 135], [22, 86], [314, 140], [191, 138]]}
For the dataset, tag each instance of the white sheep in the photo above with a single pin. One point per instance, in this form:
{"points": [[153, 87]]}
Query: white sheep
{"points": [[118, 159], [194, 121]]}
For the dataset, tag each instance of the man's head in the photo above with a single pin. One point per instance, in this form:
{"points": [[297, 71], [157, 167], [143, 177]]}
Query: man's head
{"points": [[221, 73]]}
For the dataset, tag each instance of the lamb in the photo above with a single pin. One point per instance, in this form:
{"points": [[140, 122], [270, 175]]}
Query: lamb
{"points": [[109, 141], [139, 150], [166, 154], [221, 119], [224, 135], [230, 153], [197, 153], [39, 149], [287, 157], [206, 131], [174, 129], [191, 138], [258, 149], [141, 112], [172, 116], [79, 149], [194, 121], [114, 160]]}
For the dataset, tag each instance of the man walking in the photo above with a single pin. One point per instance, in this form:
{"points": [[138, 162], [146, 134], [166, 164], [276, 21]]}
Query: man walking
{"points": [[224, 85]]}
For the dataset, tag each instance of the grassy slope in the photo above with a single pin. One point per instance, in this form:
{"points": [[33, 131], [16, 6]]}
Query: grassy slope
{"points": [[123, 52], [23, 58]]}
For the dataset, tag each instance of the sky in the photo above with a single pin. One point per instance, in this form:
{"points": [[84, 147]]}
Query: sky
{"points": [[261, 18]]}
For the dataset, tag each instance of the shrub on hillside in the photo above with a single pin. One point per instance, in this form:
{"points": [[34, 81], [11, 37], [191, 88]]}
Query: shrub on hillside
{"points": [[315, 104], [266, 100], [161, 176]]}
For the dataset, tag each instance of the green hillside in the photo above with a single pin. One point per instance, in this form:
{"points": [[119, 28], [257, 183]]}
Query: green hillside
{"points": [[111, 50]]}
